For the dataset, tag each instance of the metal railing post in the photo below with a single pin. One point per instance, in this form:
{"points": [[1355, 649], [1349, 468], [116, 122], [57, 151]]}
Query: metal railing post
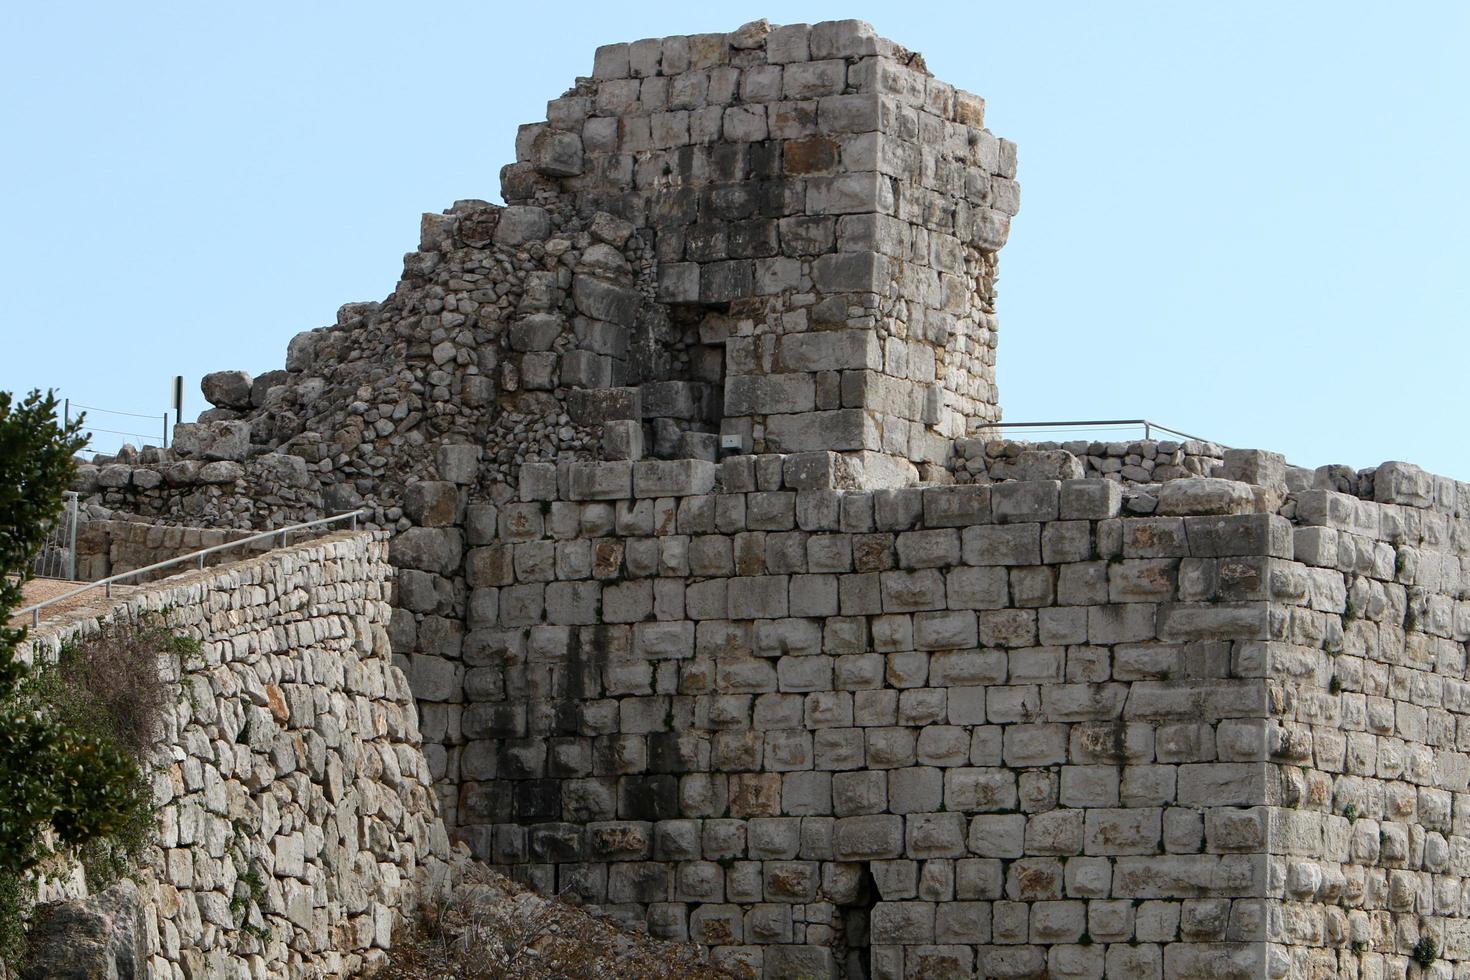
{"points": [[74, 505]]}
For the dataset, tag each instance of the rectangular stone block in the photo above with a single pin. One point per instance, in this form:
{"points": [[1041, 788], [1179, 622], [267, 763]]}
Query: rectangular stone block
{"points": [[944, 630], [758, 597], [1008, 544], [673, 477], [868, 838], [830, 350], [1242, 534], [725, 282], [998, 835], [593, 405], [678, 282], [600, 481], [840, 430], [1092, 500], [763, 394], [1019, 502], [912, 591], [928, 549], [956, 506], [857, 193], [849, 272]]}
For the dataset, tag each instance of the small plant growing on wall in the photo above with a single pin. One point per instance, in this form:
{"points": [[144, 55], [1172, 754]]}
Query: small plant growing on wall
{"points": [[1426, 951]]}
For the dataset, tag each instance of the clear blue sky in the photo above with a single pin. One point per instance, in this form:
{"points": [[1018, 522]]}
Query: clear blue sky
{"points": [[1248, 220]]}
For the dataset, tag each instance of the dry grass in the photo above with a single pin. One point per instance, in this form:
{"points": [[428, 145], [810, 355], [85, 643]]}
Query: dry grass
{"points": [[494, 930]]}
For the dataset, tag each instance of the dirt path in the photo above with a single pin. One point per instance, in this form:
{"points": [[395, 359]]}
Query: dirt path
{"points": [[41, 589]]}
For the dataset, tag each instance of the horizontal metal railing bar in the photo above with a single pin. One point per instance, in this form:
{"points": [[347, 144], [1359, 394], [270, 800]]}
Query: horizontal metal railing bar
{"points": [[111, 411], [1096, 422], [118, 432], [194, 556]]}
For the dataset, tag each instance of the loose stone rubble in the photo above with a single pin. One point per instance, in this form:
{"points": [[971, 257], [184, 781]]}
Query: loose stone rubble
{"points": [[728, 613]]}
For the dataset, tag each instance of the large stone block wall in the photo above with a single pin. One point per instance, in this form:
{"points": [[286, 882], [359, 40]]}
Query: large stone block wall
{"points": [[297, 825], [1002, 729], [1370, 844]]}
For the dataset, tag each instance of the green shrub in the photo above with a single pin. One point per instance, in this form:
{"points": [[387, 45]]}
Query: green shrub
{"points": [[1426, 951], [106, 694], [70, 779]]}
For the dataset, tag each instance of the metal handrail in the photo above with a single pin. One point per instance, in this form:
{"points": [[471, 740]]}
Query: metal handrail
{"points": [[196, 556], [1148, 427]]}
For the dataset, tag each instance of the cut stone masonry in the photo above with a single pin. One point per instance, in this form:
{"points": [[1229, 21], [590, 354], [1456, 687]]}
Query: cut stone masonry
{"points": [[726, 614]]}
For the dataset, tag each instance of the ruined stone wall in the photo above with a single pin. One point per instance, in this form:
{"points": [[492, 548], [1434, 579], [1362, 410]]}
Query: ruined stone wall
{"points": [[296, 823], [836, 206], [1101, 709], [784, 236], [1139, 461]]}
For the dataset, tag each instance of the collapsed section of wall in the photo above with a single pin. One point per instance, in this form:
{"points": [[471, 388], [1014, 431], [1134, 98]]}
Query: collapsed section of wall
{"points": [[297, 823], [779, 239]]}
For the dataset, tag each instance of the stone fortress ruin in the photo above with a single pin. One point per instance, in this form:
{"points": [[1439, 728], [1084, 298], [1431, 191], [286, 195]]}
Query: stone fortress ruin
{"points": [[727, 612]]}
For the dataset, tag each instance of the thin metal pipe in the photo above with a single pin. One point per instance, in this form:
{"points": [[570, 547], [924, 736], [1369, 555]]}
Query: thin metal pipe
{"points": [[119, 432], [197, 556], [1147, 424], [108, 411], [74, 506]]}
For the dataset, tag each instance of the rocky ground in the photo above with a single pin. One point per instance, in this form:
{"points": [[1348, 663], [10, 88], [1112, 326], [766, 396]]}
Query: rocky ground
{"points": [[493, 929]]}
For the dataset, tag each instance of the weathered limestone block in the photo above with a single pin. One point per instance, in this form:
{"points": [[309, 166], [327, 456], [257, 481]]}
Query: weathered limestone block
{"points": [[519, 224], [1403, 483], [227, 389], [1205, 495], [431, 503], [213, 440], [100, 936], [557, 154]]}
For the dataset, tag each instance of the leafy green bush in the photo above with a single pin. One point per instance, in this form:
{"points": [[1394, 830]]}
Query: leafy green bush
{"points": [[69, 773], [107, 693]]}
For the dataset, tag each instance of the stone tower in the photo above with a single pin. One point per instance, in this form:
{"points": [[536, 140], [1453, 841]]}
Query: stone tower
{"points": [[825, 217]]}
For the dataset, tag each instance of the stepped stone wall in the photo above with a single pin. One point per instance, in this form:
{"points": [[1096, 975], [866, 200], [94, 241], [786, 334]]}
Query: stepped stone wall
{"points": [[724, 611]]}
